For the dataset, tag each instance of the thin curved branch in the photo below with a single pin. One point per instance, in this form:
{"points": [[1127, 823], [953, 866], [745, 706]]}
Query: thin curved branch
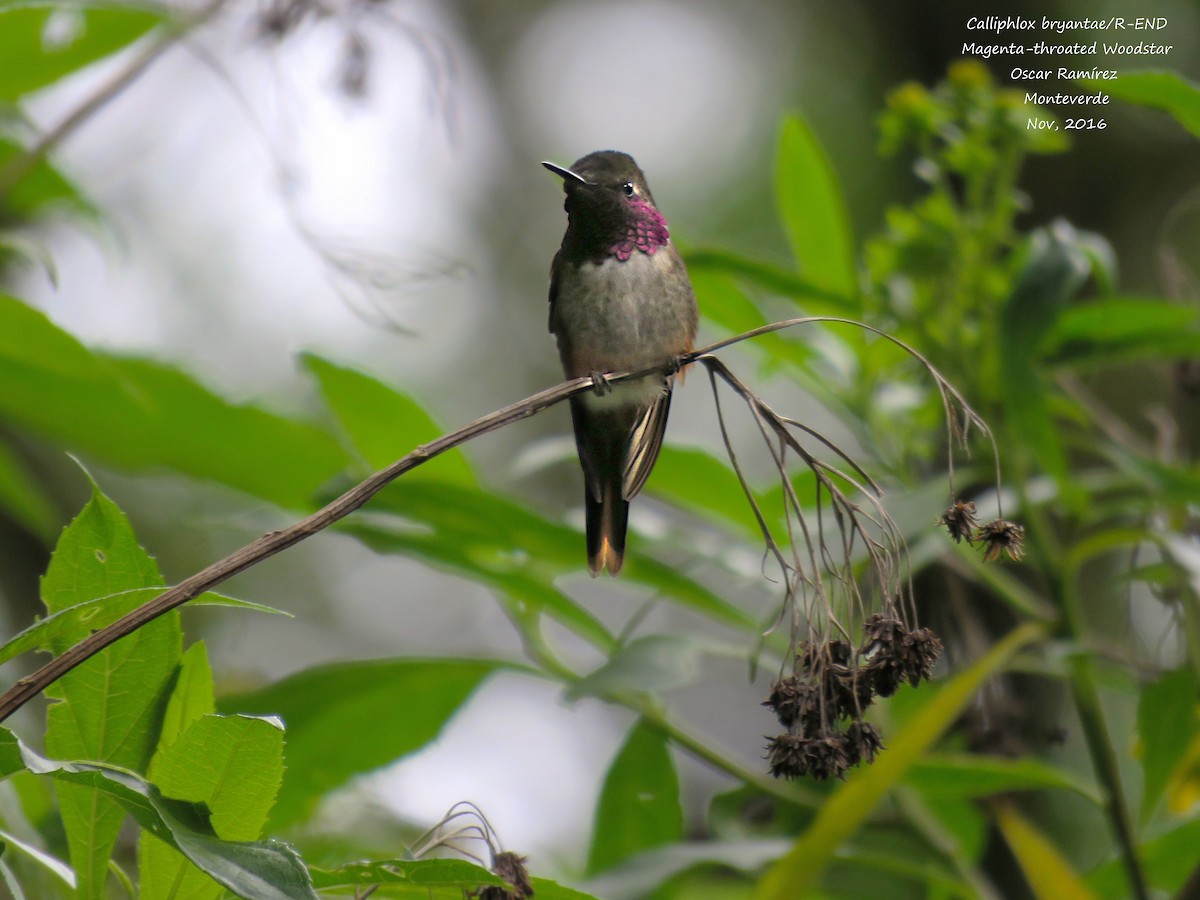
{"points": [[274, 542]]}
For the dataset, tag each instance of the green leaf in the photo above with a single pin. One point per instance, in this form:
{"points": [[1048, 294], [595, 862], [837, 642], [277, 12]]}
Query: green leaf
{"points": [[51, 864], [813, 211], [23, 498], [641, 876], [1054, 272], [1049, 875], [70, 625], [42, 42], [1122, 329], [234, 766], [657, 662], [191, 697], [768, 277], [429, 879], [639, 803], [110, 707], [1167, 721], [850, 805], [41, 186], [140, 414], [503, 543], [699, 482], [401, 705], [1168, 91], [939, 775], [382, 423], [260, 870]]}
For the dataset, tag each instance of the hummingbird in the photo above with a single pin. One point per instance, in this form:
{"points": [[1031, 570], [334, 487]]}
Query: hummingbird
{"points": [[620, 300]]}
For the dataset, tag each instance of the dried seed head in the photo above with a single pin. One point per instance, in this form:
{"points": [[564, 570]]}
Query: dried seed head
{"points": [[793, 700], [511, 868], [959, 520], [999, 537], [899, 655], [791, 756], [862, 743]]}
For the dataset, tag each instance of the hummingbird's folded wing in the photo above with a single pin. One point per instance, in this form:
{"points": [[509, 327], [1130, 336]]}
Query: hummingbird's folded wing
{"points": [[645, 442]]}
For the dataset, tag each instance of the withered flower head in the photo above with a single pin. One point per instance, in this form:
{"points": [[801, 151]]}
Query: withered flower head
{"points": [[959, 520], [899, 655], [882, 631], [999, 537], [862, 743], [793, 700], [511, 868], [792, 756], [922, 650], [853, 690]]}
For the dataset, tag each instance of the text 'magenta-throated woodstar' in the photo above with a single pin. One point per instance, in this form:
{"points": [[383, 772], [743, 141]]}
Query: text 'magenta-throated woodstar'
{"points": [[620, 300]]}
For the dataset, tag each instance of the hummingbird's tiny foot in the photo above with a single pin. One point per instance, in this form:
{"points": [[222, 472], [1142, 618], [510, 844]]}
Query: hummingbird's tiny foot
{"points": [[600, 383], [673, 367]]}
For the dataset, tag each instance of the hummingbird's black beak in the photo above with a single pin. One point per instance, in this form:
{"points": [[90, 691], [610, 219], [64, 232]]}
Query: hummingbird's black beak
{"points": [[565, 174]]}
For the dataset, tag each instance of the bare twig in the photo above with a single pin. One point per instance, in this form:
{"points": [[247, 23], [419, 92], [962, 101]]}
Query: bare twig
{"points": [[276, 541]]}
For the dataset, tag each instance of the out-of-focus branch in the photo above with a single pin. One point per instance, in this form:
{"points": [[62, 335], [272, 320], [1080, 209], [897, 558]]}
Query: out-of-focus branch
{"points": [[171, 33]]}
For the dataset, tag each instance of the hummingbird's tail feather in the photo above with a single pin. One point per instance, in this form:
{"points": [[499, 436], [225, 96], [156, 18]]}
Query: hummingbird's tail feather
{"points": [[607, 520]]}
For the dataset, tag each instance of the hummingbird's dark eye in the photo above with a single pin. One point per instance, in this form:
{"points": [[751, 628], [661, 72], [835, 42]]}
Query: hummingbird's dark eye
{"points": [[628, 188]]}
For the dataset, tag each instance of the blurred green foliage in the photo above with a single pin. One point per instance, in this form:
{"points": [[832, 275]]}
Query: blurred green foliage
{"points": [[1019, 320]]}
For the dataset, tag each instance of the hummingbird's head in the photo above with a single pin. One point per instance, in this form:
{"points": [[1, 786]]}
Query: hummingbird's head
{"points": [[609, 204]]}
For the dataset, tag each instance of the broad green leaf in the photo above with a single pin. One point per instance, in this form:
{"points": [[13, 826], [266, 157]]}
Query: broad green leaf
{"points": [[109, 709], [1049, 875], [382, 423], [259, 870], [428, 879], [231, 764], [640, 876], [51, 864], [846, 810], [42, 42], [969, 775], [768, 277], [1168, 717], [67, 626], [42, 185], [1168, 91], [491, 538], [22, 497], [1055, 271], [810, 202], [140, 414], [347, 719], [698, 481], [639, 803], [191, 697], [657, 662], [1122, 329]]}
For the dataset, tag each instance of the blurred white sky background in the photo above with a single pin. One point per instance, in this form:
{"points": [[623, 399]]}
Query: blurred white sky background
{"points": [[220, 171]]}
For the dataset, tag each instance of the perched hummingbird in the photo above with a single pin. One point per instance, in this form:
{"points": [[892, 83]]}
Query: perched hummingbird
{"points": [[620, 300]]}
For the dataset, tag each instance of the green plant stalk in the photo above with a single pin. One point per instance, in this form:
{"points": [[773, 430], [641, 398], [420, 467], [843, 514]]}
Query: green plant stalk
{"points": [[916, 810], [1088, 706], [845, 810]]}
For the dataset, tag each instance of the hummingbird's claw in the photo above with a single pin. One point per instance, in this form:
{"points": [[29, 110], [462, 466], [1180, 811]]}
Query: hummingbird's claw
{"points": [[600, 383]]}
